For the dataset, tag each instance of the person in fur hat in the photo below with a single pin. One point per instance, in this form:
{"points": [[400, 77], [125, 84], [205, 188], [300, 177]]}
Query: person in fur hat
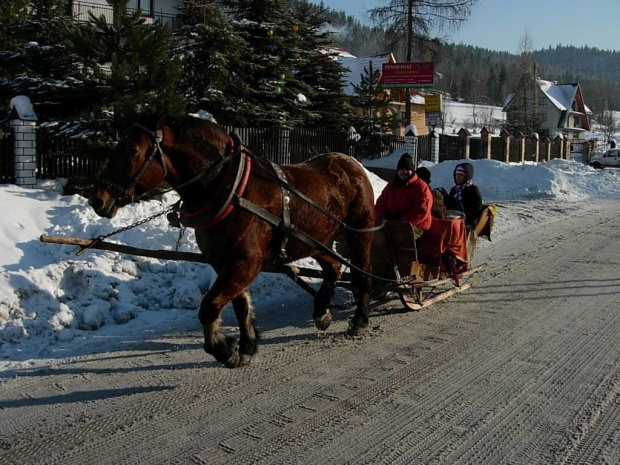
{"points": [[465, 196], [406, 197]]}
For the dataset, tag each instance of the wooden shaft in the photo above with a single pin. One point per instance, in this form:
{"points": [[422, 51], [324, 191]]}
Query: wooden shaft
{"points": [[102, 245]]}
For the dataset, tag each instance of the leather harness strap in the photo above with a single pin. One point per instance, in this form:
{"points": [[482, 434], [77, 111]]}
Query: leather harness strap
{"points": [[285, 224]]}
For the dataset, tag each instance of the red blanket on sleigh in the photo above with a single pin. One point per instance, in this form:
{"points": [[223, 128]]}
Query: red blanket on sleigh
{"points": [[444, 236]]}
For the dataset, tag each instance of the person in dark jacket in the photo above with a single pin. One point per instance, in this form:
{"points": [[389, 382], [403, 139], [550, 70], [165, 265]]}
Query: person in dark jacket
{"points": [[465, 196], [439, 209], [406, 197]]}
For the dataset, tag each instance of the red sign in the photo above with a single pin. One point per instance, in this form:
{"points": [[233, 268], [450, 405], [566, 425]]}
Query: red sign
{"points": [[401, 75]]}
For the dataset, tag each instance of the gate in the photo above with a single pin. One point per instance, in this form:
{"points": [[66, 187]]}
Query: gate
{"points": [[7, 159]]}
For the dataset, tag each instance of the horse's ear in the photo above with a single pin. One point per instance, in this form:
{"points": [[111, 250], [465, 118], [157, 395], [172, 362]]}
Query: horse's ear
{"points": [[162, 127]]}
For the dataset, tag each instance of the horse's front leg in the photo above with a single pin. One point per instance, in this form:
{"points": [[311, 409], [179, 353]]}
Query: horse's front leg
{"points": [[230, 286], [248, 331]]}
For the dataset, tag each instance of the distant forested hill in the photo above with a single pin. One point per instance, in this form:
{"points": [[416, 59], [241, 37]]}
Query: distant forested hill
{"points": [[479, 75]]}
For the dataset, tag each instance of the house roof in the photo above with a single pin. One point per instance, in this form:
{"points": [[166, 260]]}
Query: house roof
{"points": [[561, 95], [355, 67]]}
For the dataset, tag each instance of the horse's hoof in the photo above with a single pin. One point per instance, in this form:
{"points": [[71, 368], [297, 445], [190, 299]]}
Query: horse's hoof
{"points": [[244, 360], [356, 330], [233, 361], [323, 322]]}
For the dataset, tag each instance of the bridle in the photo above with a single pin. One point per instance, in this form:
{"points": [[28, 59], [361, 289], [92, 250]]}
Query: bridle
{"points": [[121, 198]]}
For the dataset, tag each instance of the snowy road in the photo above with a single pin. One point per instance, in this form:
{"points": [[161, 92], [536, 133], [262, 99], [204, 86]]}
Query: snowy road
{"points": [[522, 368]]}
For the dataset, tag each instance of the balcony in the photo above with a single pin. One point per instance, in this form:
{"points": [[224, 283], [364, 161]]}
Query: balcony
{"points": [[80, 12]]}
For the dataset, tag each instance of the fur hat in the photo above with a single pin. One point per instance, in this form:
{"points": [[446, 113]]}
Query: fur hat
{"points": [[405, 162]]}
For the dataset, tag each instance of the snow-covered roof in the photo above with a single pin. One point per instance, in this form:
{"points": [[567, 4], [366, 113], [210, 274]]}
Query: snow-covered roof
{"points": [[416, 98], [355, 67], [335, 51], [561, 95]]}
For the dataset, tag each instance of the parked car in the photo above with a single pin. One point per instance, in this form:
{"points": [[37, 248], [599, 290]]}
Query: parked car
{"points": [[610, 158]]}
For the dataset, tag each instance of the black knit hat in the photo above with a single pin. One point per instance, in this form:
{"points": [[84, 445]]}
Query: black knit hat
{"points": [[424, 174], [405, 162]]}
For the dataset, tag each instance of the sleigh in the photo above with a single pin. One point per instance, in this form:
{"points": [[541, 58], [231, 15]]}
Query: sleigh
{"points": [[419, 270]]}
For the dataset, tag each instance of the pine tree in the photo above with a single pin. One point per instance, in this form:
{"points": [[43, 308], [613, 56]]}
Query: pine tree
{"points": [[376, 123], [321, 72], [270, 87], [211, 59], [37, 61], [131, 62]]}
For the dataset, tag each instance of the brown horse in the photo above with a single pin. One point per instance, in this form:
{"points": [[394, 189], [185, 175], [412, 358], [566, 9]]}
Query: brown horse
{"points": [[220, 184]]}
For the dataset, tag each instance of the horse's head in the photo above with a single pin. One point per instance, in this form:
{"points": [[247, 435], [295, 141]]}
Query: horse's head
{"points": [[137, 166]]}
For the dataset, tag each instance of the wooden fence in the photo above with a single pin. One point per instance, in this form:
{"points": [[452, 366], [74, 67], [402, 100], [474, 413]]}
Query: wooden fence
{"points": [[60, 157]]}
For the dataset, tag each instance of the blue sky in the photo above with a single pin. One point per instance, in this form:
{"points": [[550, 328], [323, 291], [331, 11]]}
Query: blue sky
{"points": [[500, 24]]}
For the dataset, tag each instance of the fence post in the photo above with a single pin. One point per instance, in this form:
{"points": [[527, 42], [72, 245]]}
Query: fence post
{"points": [[567, 148], [23, 121], [505, 135], [559, 145], [434, 147], [411, 143], [547, 155], [536, 139], [465, 135], [521, 147], [485, 135]]}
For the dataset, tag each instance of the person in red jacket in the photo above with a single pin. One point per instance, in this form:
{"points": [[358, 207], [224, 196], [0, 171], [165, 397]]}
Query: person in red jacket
{"points": [[406, 197]]}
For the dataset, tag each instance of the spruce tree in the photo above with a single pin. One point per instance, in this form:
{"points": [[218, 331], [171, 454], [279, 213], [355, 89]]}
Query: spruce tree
{"points": [[37, 61], [269, 82], [210, 55], [131, 62], [320, 71], [376, 123]]}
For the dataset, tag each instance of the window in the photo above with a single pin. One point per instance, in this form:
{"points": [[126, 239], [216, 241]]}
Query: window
{"points": [[146, 6], [542, 101], [543, 117]]}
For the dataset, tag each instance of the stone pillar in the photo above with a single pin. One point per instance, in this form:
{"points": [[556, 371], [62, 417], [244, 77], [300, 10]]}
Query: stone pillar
{"points": [[547, 154], [434, 147], [521, 137], [505, 135], [485, 135], [536, 139], [411, 143], [23, 120], [465, 135]]}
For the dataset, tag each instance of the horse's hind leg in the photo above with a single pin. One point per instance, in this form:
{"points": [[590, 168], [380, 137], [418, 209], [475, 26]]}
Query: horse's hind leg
{"points": [[359, 247], [331, 273], [248, 331]]}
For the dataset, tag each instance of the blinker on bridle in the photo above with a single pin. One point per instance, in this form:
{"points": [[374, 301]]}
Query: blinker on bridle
{"points": [[155, 153]]}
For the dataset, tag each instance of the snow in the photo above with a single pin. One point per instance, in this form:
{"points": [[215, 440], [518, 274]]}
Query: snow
{"points": [[22, 105], [56, 306]]}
